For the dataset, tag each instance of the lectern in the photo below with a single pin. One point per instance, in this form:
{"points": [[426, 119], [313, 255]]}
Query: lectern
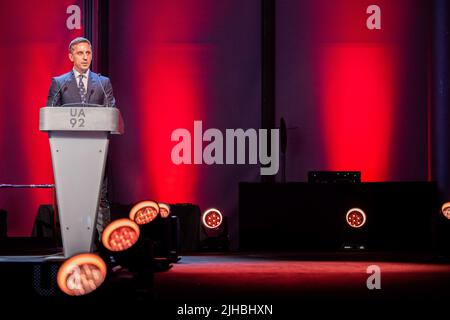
{"points": [[79, 137]]}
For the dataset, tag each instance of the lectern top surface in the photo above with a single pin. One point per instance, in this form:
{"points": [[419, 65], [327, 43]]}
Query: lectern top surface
{"points": [[81, 117]]}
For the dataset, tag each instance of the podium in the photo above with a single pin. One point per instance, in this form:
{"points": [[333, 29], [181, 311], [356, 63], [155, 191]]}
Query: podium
{"points": [[79, 138]]}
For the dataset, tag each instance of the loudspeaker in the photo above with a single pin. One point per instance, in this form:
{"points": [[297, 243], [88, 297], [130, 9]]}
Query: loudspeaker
{"points": [[189, 217], [3, 223], [32, 281], [334, 177], [165, 234], [46, 224]]}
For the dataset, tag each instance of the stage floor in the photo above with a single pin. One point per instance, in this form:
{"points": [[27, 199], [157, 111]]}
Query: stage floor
{"points": [[292, 282], [285, 282]]}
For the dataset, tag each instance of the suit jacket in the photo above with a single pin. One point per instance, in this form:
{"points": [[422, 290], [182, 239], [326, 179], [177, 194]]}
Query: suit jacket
{"points": [[64, 89]]}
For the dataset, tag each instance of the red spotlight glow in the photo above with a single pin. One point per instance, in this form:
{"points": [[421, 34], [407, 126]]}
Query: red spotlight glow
{"points": [[144, 212], [446, 210], [81, 274], [120, 235], [355, 218], [212, 218], [164, 210], [169, 66], [359, 99]]}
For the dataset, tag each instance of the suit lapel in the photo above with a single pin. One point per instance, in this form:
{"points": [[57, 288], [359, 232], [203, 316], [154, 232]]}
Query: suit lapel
{"points": [[92, 85], [73, 87]]}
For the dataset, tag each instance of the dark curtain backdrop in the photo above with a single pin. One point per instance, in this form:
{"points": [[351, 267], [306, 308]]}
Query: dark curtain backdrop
{"points": [[173, 62], [33, 48], [355, 99]]}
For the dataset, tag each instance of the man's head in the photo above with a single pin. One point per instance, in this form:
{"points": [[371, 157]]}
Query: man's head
{"points": [[80, 53]]}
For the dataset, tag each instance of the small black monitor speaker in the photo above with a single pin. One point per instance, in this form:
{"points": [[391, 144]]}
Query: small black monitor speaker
{"points": [[189, 217], [334, 176], [3, 223]]}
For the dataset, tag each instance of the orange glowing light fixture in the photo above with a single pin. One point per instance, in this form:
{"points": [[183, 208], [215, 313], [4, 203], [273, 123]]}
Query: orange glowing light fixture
{"points": [[120, 235], [81, 274], [355, 218], [164, 210], [212, 218], [446, 210], [144, 212]]}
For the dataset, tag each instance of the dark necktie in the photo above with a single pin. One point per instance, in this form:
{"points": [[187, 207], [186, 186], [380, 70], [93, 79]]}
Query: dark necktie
{"points": [[82, 89]]}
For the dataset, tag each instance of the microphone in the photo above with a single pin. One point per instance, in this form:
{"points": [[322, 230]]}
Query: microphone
{"points": [[59, 90], [104, 92]]}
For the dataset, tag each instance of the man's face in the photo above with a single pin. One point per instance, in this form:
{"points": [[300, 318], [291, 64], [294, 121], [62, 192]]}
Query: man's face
{"points": [[81, 56]]}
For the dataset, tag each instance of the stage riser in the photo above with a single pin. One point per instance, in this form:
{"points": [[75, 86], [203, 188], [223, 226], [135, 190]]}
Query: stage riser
{"points": [[302, 216]]}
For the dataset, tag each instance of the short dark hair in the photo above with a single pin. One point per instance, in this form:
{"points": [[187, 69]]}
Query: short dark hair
{"points": [[77, 41]]}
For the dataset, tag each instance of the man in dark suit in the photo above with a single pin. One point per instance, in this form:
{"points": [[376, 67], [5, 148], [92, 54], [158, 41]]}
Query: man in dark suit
{"points": [[81, 85]]}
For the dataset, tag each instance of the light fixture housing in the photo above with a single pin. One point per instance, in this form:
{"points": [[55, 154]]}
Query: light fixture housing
{"points": [[446, 210], [81, 274], [144, 212], [355, 218], [164, 210], [120, 235], [212, 218]]}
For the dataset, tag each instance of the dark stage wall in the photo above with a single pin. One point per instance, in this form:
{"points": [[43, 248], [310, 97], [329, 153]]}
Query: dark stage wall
{"points": [[355, 99]]}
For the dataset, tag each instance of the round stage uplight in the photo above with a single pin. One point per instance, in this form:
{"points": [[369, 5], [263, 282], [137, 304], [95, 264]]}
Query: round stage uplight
{"points": [[446, 210], [164, 210], [212, 218], [81, 274], [120, 235], [355, 218], [144, 212]]}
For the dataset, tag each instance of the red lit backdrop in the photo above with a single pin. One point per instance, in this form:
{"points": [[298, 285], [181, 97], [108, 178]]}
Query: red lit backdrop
{"points": [[356, 99], [33, 49], [173, 62]]}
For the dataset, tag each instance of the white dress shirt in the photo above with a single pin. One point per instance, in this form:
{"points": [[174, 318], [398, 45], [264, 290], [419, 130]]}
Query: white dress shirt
{"points": [[85, 78]]}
